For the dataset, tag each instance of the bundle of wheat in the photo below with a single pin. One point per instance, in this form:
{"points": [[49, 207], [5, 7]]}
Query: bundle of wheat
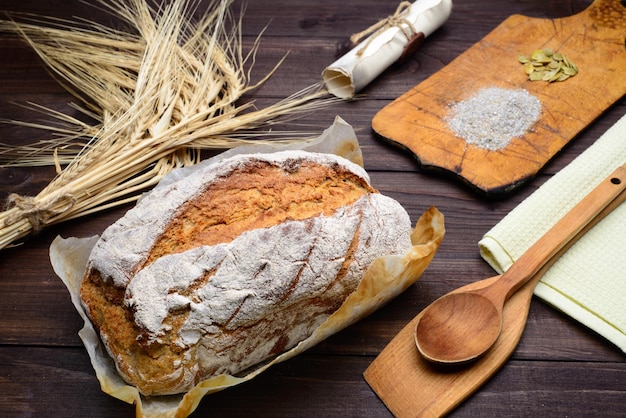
{"points": [[159, 92]]}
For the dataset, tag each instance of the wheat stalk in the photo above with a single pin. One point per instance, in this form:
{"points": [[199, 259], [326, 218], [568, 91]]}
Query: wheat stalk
{"points": [[159, 93]]}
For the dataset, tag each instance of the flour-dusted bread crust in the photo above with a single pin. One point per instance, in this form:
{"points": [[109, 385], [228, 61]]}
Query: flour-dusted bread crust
{"points": [[235, 264]]}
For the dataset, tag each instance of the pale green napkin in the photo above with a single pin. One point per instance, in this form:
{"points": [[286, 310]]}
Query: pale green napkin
{"points": [[588, 282]]}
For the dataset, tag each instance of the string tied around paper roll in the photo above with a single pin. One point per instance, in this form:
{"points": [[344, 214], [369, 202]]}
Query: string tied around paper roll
{"points": [[38, 211], [398, 19]]}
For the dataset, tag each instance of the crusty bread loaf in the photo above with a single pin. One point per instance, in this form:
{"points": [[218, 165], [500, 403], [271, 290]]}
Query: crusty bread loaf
{"points": [[234, 264]]}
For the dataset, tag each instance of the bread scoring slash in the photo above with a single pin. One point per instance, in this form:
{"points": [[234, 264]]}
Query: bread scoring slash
{"points": [[235, 264]]}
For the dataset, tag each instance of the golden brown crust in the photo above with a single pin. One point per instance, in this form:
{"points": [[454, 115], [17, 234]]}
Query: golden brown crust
{"points": [[257, 195]]}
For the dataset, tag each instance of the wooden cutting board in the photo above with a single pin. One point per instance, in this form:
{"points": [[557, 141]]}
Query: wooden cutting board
{"points": [[594, 40], [412, 387]]}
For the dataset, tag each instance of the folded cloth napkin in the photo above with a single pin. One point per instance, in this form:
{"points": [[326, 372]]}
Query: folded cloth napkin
{"points": [[588, 282]]}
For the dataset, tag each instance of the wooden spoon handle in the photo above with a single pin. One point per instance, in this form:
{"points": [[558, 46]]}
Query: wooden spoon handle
{"points": [[608, 192]]}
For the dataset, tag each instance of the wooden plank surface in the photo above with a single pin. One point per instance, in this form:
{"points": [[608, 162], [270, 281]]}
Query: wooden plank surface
{"points": [[559, 369]]}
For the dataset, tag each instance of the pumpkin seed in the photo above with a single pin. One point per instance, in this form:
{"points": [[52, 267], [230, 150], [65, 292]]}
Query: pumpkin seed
{"points": [[555, 77], [536, 75], [529, 68], [569, 71], [563, 77], [548, 75], [547, 65], [539, 56]]}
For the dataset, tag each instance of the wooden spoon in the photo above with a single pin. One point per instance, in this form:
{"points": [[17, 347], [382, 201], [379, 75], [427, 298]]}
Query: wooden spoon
{"points": [[462, 326], [411, 386]]}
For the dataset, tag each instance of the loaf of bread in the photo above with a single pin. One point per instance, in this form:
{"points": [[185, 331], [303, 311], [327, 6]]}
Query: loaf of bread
{"points": [[235, 264]]}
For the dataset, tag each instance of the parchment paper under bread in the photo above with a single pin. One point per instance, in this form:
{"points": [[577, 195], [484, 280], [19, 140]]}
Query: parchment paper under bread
{"points": [[386, 278]]}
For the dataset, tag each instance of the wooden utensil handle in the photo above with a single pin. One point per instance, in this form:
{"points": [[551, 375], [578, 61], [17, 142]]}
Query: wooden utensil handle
{"points": [[609, 191]]}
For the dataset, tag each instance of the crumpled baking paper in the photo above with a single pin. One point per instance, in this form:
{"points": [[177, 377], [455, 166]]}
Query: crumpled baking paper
{"points": [[386, 278]]}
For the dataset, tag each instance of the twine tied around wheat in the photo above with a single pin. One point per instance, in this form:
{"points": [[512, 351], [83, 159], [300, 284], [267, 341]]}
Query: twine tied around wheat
{"points": [[37, 212], [160, 90]]}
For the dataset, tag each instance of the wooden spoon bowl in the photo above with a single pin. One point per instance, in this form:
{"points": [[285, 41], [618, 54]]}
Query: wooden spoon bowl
{"points": [[411, 385], [462, 326], [485, 328]]}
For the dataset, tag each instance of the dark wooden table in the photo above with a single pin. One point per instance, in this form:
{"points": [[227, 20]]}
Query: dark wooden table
{"points": [[559, 369]]}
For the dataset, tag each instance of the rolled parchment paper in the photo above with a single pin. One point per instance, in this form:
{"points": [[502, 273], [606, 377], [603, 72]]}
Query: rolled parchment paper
{"points": [[387, 42]]}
